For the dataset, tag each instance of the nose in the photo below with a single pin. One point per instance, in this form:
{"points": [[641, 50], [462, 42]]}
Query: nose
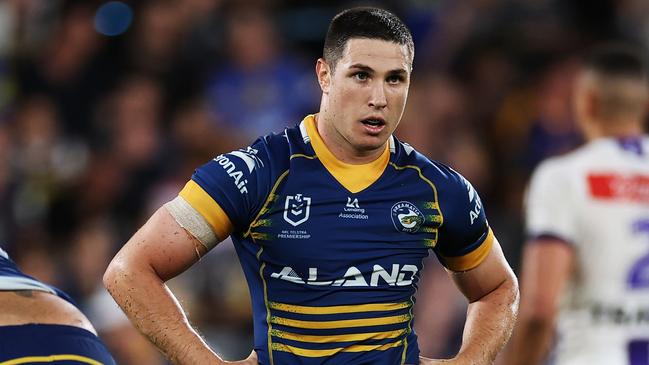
{"points": [[378, 98]]}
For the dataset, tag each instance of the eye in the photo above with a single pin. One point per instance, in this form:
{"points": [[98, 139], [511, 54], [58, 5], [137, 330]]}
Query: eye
{"points": [[360, 76], [394, 79]]}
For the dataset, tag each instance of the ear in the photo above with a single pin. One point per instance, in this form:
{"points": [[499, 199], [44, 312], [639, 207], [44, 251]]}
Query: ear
{"points": [[323, 71], [592, 104]]}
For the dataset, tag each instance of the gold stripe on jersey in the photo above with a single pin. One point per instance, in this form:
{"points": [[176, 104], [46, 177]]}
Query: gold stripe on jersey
{"points": [[328, 352], [52, 359], [200, 200], [270, 326], [345, 323], [255, 223], [473, 258], [354, 178], [264, 209], [372, 307], [349, 337], [430, 205], [409, 330]]}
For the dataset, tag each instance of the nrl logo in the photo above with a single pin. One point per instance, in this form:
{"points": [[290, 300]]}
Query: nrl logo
{"points": [[297, 209], [406, 217]]}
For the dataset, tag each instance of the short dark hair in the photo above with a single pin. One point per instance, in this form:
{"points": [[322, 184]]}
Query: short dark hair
{"points": [[364, 22], [617, 60], [621, 71]]}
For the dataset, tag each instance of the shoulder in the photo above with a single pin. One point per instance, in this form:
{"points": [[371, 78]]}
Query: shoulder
{"points": [[550, 168], [278, 147], [560, 168], [463, 235], [239, 182], [458, 201], [266, 155]]}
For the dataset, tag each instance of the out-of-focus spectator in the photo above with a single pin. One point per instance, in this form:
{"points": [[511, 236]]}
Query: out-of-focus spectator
{"points": [[215, 293], [554, 131], [44, 160], [91, 248], [71, 68], [135, 145], [199, 136], [259, 87], [437, 332], [135, 122], [6, 158], [38, 256], [159, 29], [435, 114]]}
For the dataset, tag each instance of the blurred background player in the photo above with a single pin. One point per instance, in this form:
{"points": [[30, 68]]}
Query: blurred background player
{"points": [[41, 324], [586, 265]]}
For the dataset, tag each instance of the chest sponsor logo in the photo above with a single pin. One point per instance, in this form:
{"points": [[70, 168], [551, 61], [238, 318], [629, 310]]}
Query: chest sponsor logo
{"points": [[406, 217], [297, 209], [618, 315], [397, 276], [353, 204], [634, 188], [353, 210]]}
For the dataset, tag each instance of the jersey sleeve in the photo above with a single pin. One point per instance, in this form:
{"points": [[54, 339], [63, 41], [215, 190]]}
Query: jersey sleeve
{"points": [[465, 238], [547, 204], [229, 190]]}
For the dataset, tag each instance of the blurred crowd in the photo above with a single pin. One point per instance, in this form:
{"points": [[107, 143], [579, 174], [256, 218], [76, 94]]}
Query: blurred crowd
{"points": [[107, 107]]}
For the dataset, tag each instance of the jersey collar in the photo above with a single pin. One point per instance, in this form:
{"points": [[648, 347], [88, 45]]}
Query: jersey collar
{"points": [[354, 178]]}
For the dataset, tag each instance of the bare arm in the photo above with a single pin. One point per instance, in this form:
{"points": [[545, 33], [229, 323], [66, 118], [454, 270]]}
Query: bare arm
{"points": [[546, 267], [136, 277], [492, 291]]}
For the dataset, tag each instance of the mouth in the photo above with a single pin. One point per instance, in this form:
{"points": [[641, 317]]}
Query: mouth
{"points": [[373, 126], [373, 122]]}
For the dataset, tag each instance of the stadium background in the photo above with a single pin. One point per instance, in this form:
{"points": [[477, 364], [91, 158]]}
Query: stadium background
{"points": [[107, 107]]}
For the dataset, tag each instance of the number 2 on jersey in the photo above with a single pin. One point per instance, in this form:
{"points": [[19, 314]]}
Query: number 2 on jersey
{"points": [[639, 352], [639, 275], [638, 278]]}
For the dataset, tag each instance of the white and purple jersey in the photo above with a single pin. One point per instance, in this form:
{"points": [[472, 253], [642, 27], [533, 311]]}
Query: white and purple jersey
{"points": [[596, 199]]}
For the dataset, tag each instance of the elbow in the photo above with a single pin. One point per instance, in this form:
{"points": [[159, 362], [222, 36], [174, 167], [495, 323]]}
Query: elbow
{"points": [[512, 282], [510, 287], [126, 272], [515, 292], [112, 275], [117, 274]]}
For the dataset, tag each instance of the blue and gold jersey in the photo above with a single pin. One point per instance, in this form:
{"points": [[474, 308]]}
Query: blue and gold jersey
{"points": [[332, 252], [12, 278]]}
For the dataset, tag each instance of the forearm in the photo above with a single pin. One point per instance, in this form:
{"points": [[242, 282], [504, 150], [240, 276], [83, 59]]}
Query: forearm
{"points": [[531, 341], [154, 310], [489, 324]]}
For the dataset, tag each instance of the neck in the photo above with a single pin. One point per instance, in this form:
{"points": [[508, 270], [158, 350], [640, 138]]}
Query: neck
{"points": [[622, 128], [339, 146]]}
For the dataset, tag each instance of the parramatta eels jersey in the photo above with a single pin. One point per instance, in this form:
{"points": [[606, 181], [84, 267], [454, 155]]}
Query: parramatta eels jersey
{"points": [[332, 252], [596, 199], [11, 278]]}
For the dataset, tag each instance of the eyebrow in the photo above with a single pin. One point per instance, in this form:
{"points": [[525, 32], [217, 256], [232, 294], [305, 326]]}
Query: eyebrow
{"points": [[368, 69]]}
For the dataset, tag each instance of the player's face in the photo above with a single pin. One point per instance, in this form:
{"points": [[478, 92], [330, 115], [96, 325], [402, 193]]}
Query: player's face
{"points": [[368, 91]]}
